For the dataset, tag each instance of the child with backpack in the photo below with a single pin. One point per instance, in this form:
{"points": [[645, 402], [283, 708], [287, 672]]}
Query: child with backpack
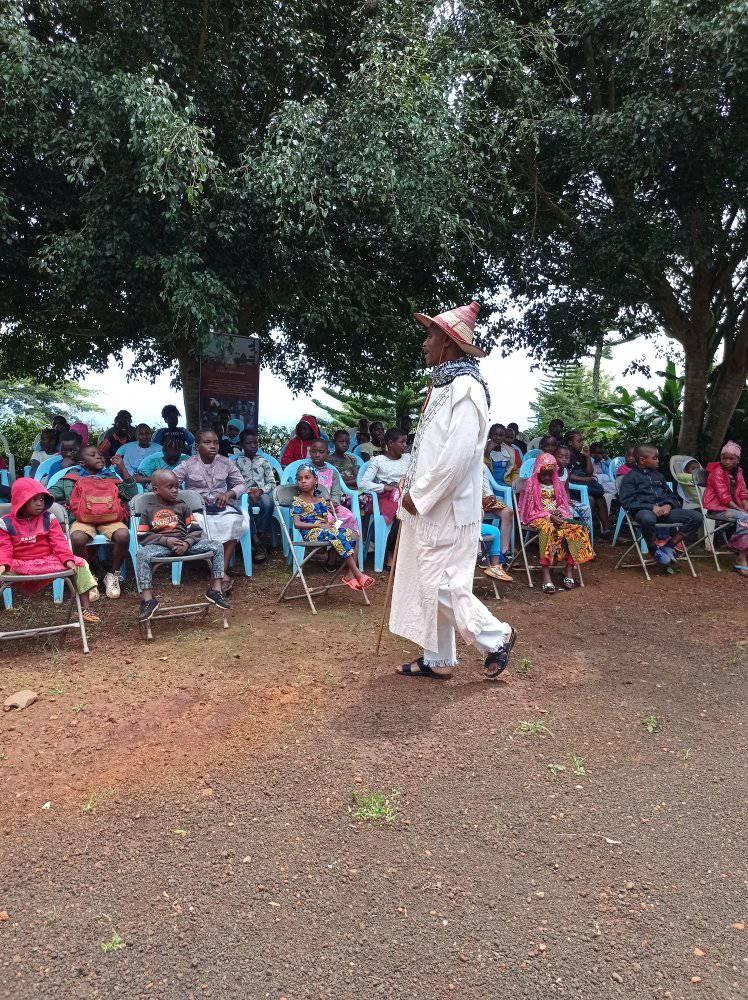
{"points": [[97, 500], [32, 542]]}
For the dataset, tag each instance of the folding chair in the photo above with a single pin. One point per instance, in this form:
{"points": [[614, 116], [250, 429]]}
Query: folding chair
{"points": [[713, 526], [527, 536], [283, 498], [66, 579], [7, 475], [642, 550], [289, 476], [195, 502]]}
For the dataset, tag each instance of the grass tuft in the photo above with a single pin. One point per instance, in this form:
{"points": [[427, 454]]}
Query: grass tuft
{"points": [[375, 805], [115, 944], [651, 723], [533, 728]]}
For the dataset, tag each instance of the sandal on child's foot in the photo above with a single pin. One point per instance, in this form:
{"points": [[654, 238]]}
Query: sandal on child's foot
{"points": [[352, 582], [549, 588], [420, 669], [496, 663], [366, 581], [90, 617], [568, 582]]}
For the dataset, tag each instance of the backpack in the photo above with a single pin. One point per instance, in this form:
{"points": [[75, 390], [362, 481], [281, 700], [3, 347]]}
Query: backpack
{"points": [[96, 501]]}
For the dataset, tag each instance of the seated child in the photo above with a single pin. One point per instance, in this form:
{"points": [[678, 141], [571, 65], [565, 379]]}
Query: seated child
{"points": [[98, 509], [581, 512], [645, 495], [70, 446], [329, 479], [726, 498], [544, 507], [47, 449], [32, 542], [599, 460], [581, 474], [685, 479], [500, 539], [167, 528], [169, 458], [345, 463], [259, 479], [628, 464], [134, 452], [314, 516]]}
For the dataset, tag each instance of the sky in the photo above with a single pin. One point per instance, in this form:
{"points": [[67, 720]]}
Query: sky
{"points": [[512, 381]]}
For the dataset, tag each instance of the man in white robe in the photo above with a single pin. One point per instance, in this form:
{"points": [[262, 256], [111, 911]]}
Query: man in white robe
{"points": [[442, 509]]}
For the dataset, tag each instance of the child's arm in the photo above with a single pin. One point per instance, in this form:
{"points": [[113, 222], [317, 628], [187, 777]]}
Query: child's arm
{"points": [[6, 548]]}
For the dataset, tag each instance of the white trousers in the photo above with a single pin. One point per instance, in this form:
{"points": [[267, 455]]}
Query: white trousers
{"points": [[492, 636]]}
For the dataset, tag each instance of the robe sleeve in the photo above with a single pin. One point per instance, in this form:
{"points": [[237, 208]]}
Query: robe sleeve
{"points": [[454, 461]]}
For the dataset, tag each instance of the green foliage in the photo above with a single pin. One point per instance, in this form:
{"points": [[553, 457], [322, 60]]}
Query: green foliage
{"points": [[390, 409], [644, 416], [567, 393], [26, 407], [272, 437]]}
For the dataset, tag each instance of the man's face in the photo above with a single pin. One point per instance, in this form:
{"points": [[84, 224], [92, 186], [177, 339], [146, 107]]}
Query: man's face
{"points": [[377, 433], [143, 435], [250, 445], [92, 460], [433, 346]]}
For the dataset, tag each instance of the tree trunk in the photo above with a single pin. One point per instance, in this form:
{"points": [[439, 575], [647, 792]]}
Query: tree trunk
{"points": [[597, 359], [189, 374], [728, 386], [694, 394]]}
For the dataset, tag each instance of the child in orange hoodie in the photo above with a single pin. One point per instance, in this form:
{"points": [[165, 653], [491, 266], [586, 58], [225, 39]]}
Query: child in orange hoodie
{"points": [[32, 542]]}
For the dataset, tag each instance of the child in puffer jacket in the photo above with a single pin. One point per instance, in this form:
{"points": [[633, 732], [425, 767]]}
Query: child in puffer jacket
{"points": [[32, 542], [726, 498]]}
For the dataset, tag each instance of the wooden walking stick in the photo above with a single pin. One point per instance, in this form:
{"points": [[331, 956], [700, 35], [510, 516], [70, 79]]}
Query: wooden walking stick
{"points": [[388, 596]]}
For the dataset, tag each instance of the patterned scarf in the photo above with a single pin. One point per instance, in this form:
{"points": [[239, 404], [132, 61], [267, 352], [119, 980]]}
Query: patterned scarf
{"points": [[448, 371]]}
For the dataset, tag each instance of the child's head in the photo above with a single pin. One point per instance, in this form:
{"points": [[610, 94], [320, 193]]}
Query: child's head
{"points": [[207, 445], [48, 440], [165, 485], [545, 469], [91, 459], [70, 446], [574, 439], [304, 431], [509, 434], [563, 457], [60, 424], [318, 452], [396, 441], [376, 429], [249, 443], [729, 457], [170, 415], [143, 435], [597, 451], [496, 433], [692, 466], [306, 478], [556, 428], [172, 447], [549, 444], [342, 442], [37, 503], [628, 454], [362, 438], [122, 421], [646, 456]]}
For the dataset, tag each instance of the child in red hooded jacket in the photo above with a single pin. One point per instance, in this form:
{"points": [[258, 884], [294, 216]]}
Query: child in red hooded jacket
{"points": [[726, 497], [32, 542]]}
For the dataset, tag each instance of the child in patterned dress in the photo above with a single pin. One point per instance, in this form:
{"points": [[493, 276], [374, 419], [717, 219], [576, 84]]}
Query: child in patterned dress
{"points": [[314, 515]]}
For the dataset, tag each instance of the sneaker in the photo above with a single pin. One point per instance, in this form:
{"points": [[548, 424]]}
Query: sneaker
{"points": [[93, 594], [111, 585], [259, 555], [662, 555], [147, 609], [216, 597]]}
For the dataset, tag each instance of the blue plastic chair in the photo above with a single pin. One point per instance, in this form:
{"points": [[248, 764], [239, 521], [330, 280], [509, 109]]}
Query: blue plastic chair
{"points": [[4, 477], [274, 463], [42, 470], [377, 526], [361, 462], [532, 454], [357, 452], [289, 475], [504, 493]]}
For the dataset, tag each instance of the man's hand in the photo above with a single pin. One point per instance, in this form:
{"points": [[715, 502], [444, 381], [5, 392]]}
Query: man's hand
{"points": [[180, 547], [409, 505], [222, 499], [661, 509], [255, 494]]}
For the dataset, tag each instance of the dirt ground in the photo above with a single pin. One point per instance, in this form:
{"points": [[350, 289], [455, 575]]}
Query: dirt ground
{"points": [[179, 817]]}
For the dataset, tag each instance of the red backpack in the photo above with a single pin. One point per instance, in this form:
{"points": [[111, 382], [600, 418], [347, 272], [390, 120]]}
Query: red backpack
{"points": [[96, 501]]}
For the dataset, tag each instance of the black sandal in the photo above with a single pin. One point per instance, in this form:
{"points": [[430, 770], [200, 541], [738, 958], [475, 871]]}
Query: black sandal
{"points": [[496, 663], [424, 670]]}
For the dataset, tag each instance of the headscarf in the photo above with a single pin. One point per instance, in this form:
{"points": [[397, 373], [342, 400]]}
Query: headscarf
{"points": [[296, 448], [731, 448], [306, 467], [530, 499], [80, 428], [235, 425]]}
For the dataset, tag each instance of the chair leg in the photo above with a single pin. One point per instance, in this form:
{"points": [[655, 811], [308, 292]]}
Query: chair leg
{"points": [[8, 598], [58, 591], [81, 623], [619, 524]]}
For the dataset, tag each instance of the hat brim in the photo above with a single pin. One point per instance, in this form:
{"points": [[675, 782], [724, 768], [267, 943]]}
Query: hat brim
{"points": [[471, 349]]}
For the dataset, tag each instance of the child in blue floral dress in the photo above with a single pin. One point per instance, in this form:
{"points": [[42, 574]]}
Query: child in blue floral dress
{"points": [[314, 516]]}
